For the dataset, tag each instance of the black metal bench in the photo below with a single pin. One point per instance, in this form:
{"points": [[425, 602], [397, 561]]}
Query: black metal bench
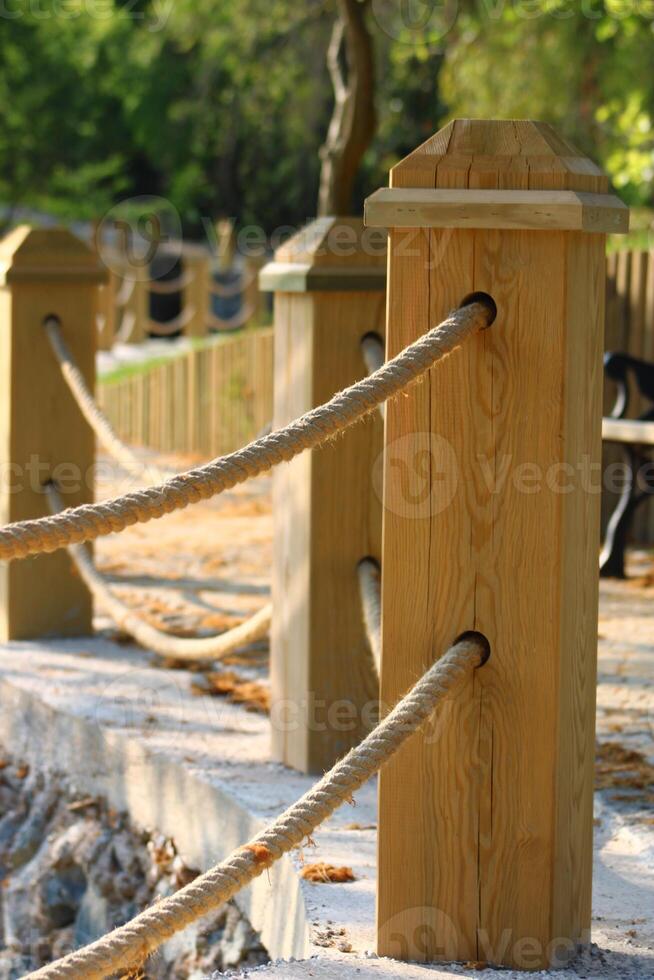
{"points": [[636, 438]]}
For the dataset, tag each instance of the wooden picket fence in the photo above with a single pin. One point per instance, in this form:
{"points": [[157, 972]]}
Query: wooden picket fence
{"points": [[205, 402], [213, 400], [629, 328]]}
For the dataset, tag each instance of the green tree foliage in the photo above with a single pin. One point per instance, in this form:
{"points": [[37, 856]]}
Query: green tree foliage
{"points": [[582, 65], [221, 106]]}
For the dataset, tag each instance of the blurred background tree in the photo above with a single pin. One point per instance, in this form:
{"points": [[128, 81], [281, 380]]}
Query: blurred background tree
{"points": [[223, 107]]}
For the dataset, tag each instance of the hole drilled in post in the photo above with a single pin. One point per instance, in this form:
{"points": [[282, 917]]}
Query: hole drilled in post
{"points": [[485, 299], [479, 638]]}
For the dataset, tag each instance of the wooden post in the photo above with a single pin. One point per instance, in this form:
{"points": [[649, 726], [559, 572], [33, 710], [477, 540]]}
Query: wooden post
{"points": [[106, 312], [329, 283], [44, 272], [491, 523], [133, 328], [196, 293], [252, 293]]}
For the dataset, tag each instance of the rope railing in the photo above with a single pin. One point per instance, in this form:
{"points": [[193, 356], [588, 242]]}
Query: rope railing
{"points": [[90, 410], [168, 287], [180, 648], [316, 427], [374, 356], [126, 328], [370, 592], [173, 326], [128, 946], [125, 292], [234, 322], [229, 290]]}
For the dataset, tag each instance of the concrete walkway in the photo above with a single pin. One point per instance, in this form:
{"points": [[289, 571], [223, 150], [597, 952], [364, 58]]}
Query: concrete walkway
{"points": [[197, 768]]}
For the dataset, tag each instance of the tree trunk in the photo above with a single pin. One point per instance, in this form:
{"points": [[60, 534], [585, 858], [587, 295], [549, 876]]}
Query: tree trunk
{"points": [[354, 119]]}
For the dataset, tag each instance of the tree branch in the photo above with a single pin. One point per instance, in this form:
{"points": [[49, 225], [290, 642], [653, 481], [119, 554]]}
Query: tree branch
{"points": [[354, 120]]}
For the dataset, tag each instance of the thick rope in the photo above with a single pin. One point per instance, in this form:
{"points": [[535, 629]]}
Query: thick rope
{"points": [[170, 327], [129, 945], [370, 592], [125, 292], [311, 430], [235, 322], [168, 287], [89, 408], [180, 648], [372, 349], [127, 326], [229, 290]]}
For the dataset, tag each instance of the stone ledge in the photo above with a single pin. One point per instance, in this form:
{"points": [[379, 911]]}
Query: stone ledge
{"points": [[197, 770]]}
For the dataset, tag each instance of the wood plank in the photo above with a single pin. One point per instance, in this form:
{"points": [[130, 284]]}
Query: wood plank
{"points": [[629, 431], [497, 208]]}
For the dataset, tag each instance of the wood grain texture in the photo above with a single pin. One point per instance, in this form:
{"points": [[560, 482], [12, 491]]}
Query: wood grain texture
{"points": [[137, 307], [485, 822], [43, 434], [327, 517], [496, 208], [196, 292]]}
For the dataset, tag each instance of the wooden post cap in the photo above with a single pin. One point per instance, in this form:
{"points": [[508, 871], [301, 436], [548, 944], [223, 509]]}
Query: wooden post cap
{"points": [[47, 255], [498, 174], [328, 255]]}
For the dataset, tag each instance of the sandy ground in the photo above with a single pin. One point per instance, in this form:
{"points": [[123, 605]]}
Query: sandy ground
{"points": [[203, 569]]}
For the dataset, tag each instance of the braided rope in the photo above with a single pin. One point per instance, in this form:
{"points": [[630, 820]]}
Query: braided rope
{"points": [[235, 322], [126, 328], [169, 327], [370, 592], [181, 648], [125, 292], [228, 290], [129, 945], [89, 408], [372, 349], [311, 430], [168, 287]]}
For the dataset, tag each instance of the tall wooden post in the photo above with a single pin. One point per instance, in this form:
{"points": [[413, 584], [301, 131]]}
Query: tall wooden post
{"points": [[329, 284], [196, 292], [44, 436], [491, 523]]}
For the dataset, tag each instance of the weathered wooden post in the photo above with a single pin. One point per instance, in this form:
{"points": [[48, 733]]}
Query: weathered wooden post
{"points": [[196, 262], [491, 523], [44, 272], [329, 283]]}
